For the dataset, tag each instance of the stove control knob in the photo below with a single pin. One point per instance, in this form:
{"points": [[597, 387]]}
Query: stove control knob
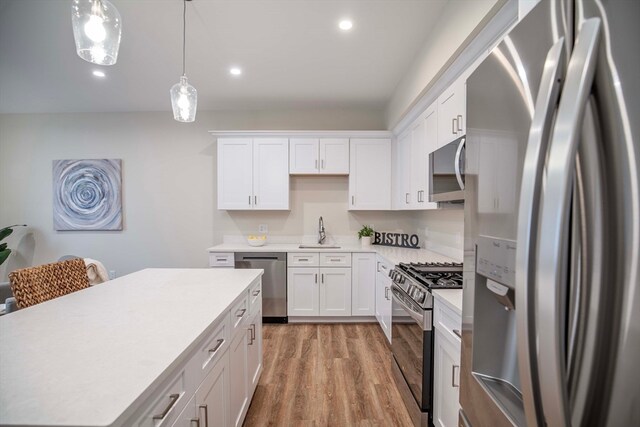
{"points": [[402, 280]]}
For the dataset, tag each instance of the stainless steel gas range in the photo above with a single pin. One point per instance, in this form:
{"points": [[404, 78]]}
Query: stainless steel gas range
{"points": [[412, 331]]}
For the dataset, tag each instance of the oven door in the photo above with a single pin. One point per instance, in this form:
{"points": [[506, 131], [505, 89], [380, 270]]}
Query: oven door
{"points": [[446, 172], [412, 346]]}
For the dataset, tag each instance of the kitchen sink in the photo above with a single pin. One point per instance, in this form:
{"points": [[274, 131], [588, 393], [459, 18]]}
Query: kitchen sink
{"points": [[318, 247]]}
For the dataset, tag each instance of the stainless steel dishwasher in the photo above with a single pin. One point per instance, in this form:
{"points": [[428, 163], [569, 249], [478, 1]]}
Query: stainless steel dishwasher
{"points": [[274, 282]]}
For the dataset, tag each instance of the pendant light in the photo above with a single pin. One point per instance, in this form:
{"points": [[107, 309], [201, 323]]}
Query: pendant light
{"points": [[97, 28], [184, 97]]}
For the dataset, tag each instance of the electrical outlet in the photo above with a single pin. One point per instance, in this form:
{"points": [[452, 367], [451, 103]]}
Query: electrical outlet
{"points": [[262, 228], [112, 274]]}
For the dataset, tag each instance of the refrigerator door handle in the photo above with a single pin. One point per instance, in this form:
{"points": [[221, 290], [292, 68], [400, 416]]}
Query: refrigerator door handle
{"points": [[457, 162], [528, 211], [553, 239]]}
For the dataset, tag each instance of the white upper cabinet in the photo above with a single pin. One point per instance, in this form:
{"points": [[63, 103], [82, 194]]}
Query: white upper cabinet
{"points": [[452, 107], [370, 174], [310, 156], [270, 177], [253, 173], [412, 161], [235, 173], [304, 156], [334, 156]]}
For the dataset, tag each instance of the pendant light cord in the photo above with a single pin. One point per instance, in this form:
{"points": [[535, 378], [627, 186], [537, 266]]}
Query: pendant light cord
{"points": [[184, 34]]}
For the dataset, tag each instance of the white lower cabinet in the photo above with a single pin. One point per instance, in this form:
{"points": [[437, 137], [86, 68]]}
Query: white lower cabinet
{"points": [[319, 291], [363, 284], [238, 388], [446, 366], [254, 353], [383, 295]]}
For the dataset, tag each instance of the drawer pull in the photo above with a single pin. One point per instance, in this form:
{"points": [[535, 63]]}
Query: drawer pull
{"points": [[386, 293], [256, 293], [457, 332], [206, 414], [303, 259], [173, 399], [217, 347], [335, 260], [242, 311], [453, 376]]}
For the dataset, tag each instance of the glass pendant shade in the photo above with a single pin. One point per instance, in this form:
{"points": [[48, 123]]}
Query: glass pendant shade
{"points": [[184, 100], [97, 28]]}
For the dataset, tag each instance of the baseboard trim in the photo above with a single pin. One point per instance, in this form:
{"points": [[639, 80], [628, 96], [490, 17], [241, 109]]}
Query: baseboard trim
{"points": [[317, 319]]}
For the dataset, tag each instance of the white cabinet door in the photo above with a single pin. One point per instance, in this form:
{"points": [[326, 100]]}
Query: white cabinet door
{"points": [[446, 379], [383, 303], [271, 173], [363, 284], [302, 291], [303, 156], [334, 156], [238, 388], [428, 131], [403, 171], [370, 174], [452, 112], [235, 173], [212, 397], [254, 356], [335, 291], [187, 415]]}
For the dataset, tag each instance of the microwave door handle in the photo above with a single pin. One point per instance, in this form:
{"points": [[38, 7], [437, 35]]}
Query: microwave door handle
{"points": [[457, 162], [551, 257], [528, 213]]}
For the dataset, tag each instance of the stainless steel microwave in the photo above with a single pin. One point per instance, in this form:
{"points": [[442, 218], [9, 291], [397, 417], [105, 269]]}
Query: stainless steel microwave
{"points": [[446, 172]]}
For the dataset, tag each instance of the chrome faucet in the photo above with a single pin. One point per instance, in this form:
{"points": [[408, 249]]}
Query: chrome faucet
{"points": [[321, 234]]}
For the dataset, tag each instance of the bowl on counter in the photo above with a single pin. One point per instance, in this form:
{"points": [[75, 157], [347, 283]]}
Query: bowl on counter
{"points": [[257, 240]]}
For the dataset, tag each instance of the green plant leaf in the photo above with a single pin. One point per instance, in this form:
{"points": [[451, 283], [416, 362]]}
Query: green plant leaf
{"points": [[3, 247], [4, 255], [5, 232]]}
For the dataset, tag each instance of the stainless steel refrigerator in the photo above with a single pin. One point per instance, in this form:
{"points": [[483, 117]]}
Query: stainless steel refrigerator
{"points": [[551, 316]]}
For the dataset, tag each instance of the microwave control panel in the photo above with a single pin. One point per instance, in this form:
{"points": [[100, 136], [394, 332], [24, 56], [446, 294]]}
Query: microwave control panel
{"points": [[496, 260]]}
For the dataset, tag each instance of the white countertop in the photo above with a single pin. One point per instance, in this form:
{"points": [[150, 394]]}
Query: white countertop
{"points": [[85, 358], [391, 254], [450, 297]]}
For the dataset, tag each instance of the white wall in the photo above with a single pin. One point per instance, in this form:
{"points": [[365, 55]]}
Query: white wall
{"points": [[169, 185], [460, 20]]}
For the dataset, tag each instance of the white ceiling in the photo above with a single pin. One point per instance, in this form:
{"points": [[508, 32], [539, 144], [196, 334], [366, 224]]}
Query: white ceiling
{"points": [[291, 51]]}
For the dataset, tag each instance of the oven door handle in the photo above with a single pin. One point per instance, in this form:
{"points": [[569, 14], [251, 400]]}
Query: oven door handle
{"points": [[418, 317]]}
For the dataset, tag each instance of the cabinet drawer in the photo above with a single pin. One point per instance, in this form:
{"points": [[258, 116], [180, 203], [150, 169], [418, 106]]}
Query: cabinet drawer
{"points": [[447, 320], [303, 259], [335, 260], [214, 346], [221, 259], [255, 297], [239, 314], [166, 405]]}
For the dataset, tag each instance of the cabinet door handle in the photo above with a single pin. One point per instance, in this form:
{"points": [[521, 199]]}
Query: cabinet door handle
{"points": [[173, 398], [353, 200], [459, 120], [454, 126], [243, 310], [453, 376], [406, 198], [253, 332], [322, 277], [249, 200], [256, 293], [255, 200], [386, 293], [316, 277], [457, 332], [322, 162], [206, 415], [217, 346], [195, 420], [316, 164], [378, 267], [250, 335]]}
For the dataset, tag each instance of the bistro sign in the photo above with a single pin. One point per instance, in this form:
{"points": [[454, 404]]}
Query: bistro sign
{"points": [[399, 240]]}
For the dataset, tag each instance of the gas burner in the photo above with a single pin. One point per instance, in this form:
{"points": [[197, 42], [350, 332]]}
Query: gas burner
{"points": [[417, 279]]}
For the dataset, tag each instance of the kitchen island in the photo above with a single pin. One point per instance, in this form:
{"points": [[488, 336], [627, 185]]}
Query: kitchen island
{"points": [[135, 351]]}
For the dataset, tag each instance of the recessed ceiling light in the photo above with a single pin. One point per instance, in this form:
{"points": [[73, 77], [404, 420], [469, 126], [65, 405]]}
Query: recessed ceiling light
{"points": [[345, 25], [235, 71], [98, 73]]}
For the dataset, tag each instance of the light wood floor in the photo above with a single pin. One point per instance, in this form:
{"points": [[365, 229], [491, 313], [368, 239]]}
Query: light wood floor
{"points": [[326, 375]]}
